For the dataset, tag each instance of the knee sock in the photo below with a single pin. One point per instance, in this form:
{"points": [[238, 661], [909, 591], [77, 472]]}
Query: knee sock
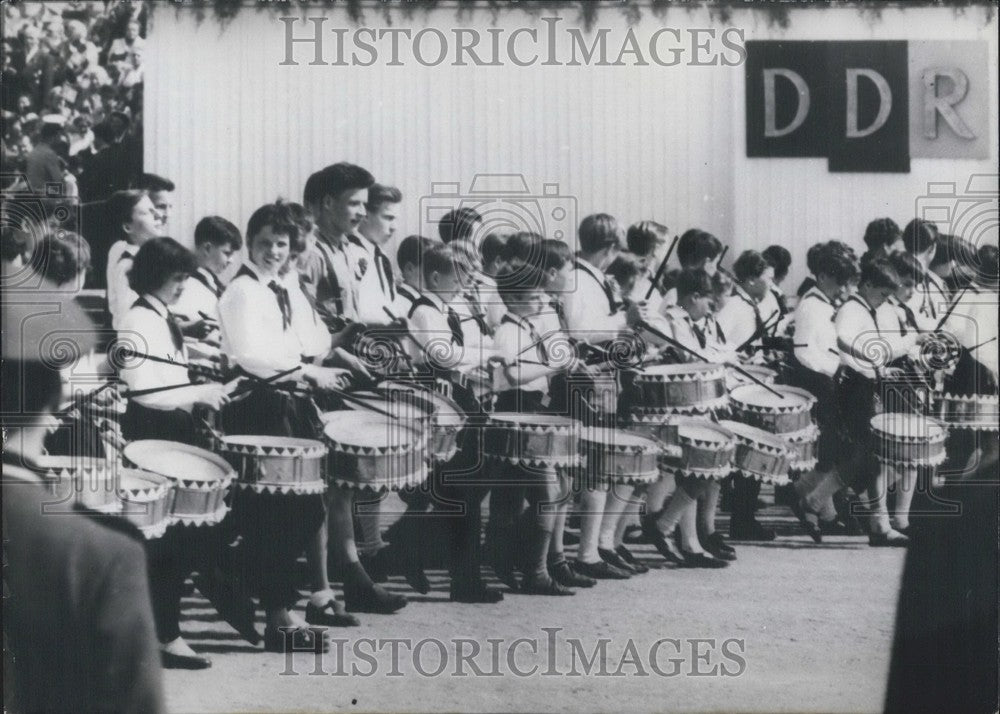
{"points": [[878, 504], [689, 530], [592, 506], [614, 511], [679, 502], [707, 505], [371, 529], [905, 487], [658, 492]]}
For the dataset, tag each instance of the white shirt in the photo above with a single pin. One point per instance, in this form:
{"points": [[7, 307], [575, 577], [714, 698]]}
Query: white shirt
{"points": [[741, 317], [512, 341], [201, 295], [873, 333], [686, 331], [490, 300], [145, 327], [254, 334], [120, 295], [433, 342], [376, 291], [589, 305], [478, 344], [974, 321], [929, 301], [815, 330]]}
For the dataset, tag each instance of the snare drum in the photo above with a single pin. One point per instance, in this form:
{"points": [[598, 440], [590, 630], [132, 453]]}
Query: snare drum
{"points": [[803, 446], [755, 405], [84, 481], [680, 388], [275, 464], [619, 456], [662, 429], [759, 454], [707, 449], [146, 499], [909, 440], [201, 479], [447, 422], [372, 451], [734, 379], [973, 411], [532, 440]]}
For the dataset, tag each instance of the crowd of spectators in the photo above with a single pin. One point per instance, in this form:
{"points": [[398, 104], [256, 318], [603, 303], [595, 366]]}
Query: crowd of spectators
{"points": [[72, 97]]}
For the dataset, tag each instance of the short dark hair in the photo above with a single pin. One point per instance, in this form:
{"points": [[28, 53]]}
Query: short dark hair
{"points": [[217, 231], [522, 246], [304, 221], [378, 195], [696, 245], [778, 258], [642, 237], [491, 248], [514, 284], [987, 268], [835, 259], [879, 273], [411, 250], [625, 267], [334, 180], [61, 257], [555, 254], [119, 209], [152, 182], [694, 281], [599, 231], [49, 131], [919, 236], [157, 260], [907, 267], [438, 258], [750, 264], [458, 224], [282, 220], [951, 247], [881, 233]]}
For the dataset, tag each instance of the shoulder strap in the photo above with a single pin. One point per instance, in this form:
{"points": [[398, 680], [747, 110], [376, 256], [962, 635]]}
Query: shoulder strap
{"points": [[422, 300]]}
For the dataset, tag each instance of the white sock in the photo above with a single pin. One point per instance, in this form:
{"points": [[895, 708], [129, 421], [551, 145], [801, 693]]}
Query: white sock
{"points": [[592, 505]]}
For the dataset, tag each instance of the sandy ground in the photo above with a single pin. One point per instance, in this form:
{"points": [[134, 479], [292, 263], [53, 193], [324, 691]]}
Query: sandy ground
{"points": [[809, 629]]}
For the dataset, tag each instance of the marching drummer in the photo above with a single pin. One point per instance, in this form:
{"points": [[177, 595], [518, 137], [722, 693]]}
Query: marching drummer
{"points": [[160, 406], [814, 362], [868, 339], [742, 319], [134, 220], [696, 250], [930, 298], [377, 285], [409, 257], [216, 240]]}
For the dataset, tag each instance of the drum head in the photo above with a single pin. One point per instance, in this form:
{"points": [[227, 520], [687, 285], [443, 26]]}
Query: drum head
{"points": [[908, 427], [752, 433], [368, 429], [138, 481], [446, 411], [399, 405], [696, 370], [176, 460], [757, 396], [704, 431], [514, 419], [619, 438]]}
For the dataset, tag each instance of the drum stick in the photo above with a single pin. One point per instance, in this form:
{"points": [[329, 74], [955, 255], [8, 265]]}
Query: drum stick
{"points": [[206, 318], [660, 270], [951, 308], [760, 332], [702, 358], [156, 390], [970, 349]]}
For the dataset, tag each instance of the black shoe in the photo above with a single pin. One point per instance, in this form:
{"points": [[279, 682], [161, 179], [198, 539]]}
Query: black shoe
{"points": [[544, 586], [601, 570], [887, 540], [376, 565], [718, 548], [235, 606], [416, 578], [169, 660], [702, 560], [563, 574], [613, 559], [299, 639], [811, 528], [475, 593], [330, 615], [627, 555], [750, 531], [502, 562], [373, 598], [666, 547]]}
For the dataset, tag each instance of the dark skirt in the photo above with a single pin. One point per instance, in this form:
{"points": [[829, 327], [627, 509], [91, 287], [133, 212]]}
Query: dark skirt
{"points": [[857, 403], [825, 412], [142, 422]]}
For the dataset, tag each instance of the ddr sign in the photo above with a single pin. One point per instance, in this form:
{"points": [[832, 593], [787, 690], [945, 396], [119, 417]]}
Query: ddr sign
{"points": [[867, 106]]}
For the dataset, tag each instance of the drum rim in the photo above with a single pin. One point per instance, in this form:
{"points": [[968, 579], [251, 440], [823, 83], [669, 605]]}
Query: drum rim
{"points": [[228, 473], [414, 443], [808, 400], [773, 442], [704, 371], [435, 399], [516, 419], [161, 484], [651, 445], [729, 439], [908, 438], [294, 446]]}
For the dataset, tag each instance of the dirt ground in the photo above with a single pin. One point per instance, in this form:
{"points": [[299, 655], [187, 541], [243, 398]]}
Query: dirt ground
{"points": [[796, 627]]}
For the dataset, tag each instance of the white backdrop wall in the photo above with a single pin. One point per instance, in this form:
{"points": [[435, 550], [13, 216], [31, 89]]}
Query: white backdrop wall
{"points": [[233, 128]]}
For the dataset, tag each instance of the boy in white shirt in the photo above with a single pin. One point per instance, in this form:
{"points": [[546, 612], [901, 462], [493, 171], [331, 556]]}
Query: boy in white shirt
{"points": [[134, 219], [377, 287], [215, 242]]}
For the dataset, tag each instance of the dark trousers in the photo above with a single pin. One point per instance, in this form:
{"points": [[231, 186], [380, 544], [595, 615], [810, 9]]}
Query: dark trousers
{"points": [[744, 499], [825, 412], [170, 560]]}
